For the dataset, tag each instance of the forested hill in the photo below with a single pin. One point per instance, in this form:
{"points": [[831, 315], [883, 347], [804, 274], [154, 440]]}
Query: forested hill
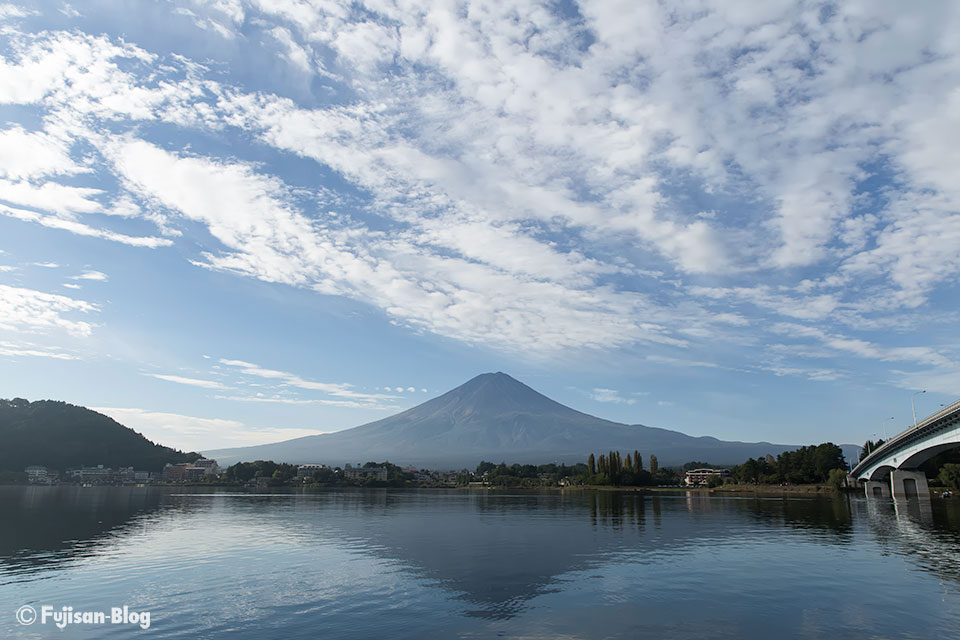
{"points": [[59, 436]]}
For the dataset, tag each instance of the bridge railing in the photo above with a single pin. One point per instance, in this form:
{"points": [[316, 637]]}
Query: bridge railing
{"points": [[893, 442]]}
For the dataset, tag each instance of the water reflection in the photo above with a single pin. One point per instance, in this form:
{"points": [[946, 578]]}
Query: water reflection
{"points": [[44, 527], [491, 555], [924, 532]]}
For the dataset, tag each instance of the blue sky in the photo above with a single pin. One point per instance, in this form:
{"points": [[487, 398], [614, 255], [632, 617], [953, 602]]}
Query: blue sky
{"points": [[232, 222]]}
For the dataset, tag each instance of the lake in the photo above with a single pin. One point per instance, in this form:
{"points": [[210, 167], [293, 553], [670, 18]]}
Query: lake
{"points": [[460, 564]]}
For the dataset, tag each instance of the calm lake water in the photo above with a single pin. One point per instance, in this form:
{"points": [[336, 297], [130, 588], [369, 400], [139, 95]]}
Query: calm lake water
{"points": [[446, 564]]}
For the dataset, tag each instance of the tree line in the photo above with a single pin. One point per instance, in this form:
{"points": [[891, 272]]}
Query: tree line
{"points": [[281, 473], [806, 465], [615, 469]]}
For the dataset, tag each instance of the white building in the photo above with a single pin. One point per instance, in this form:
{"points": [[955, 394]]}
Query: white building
{"points": [[210, 467], [700, 477], [37, 475], [306, 470]]}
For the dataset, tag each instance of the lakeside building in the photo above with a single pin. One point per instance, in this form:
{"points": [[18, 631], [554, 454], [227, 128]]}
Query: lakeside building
{"points": [[93, 475], [307, 470], [38, 475], [199, 469], [700, 477], [193, 474], [173, 472], [98, 474], [209, 466], [364, 473]]}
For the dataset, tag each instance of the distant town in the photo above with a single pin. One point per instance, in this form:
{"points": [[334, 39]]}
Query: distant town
{"points": [[263, 474]]}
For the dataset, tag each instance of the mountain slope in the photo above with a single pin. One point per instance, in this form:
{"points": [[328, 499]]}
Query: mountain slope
{"points": [[495, 417], [58, 435]]}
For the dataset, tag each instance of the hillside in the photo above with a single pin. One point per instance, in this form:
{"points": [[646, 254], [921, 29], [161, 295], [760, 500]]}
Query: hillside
{"points": [[495, 417], [59, 436]]}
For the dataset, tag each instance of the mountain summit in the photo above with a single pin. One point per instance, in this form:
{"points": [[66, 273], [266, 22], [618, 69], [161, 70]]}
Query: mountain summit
{"points": [[491, 394], [494, 417]]}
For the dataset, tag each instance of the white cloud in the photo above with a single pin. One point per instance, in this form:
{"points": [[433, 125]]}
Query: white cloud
{"points": [[12, 349], [55, 222], [864, 348], [336, 389], [8, 10], [193, 382], [296, 54], [277, 399], [610, 395], [191, 433], [51, 196], [32, 155], [519, 183], [30, 311], [945, 380], [92, 275], [682, 362], [268, 238]]}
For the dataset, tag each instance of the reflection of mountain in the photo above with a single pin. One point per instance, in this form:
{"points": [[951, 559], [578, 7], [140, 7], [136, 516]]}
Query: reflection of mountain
{"points": [[495, 417], [492, 552], [498, 551], [45, 526]]}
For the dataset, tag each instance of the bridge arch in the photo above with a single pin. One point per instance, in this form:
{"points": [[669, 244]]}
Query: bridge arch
{"points": [[881, 472], [916, 459]]}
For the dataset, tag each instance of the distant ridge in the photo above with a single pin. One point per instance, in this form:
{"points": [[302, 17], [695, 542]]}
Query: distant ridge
{"points": [[495, 417], [59, 436]]}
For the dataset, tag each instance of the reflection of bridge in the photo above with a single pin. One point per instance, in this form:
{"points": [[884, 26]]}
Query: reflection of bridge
{"points": [[904, 453]]}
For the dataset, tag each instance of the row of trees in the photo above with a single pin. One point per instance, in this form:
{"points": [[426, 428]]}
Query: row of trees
{"points": [[526, 475], [281, 473], [806, 465], [613, 468], [614, 463]]}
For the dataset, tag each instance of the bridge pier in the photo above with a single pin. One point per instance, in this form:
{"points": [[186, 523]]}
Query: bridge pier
{"points": [[909, 484], [875, 489]]}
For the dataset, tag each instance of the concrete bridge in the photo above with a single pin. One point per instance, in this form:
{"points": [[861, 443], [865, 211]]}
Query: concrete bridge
{"points": [[901, 456]]}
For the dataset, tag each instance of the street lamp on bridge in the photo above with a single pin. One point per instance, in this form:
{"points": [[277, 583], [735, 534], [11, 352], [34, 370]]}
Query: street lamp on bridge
{"points": [[914, 407], [884, 425]]}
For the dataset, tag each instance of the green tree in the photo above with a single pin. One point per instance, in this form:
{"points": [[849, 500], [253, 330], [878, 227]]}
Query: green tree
{"points": [[950, 476], [484, 467], [58, 435], [837, 478], [592, 465], [637, 461], [628, 464], [654, 465], [869, 447]]}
